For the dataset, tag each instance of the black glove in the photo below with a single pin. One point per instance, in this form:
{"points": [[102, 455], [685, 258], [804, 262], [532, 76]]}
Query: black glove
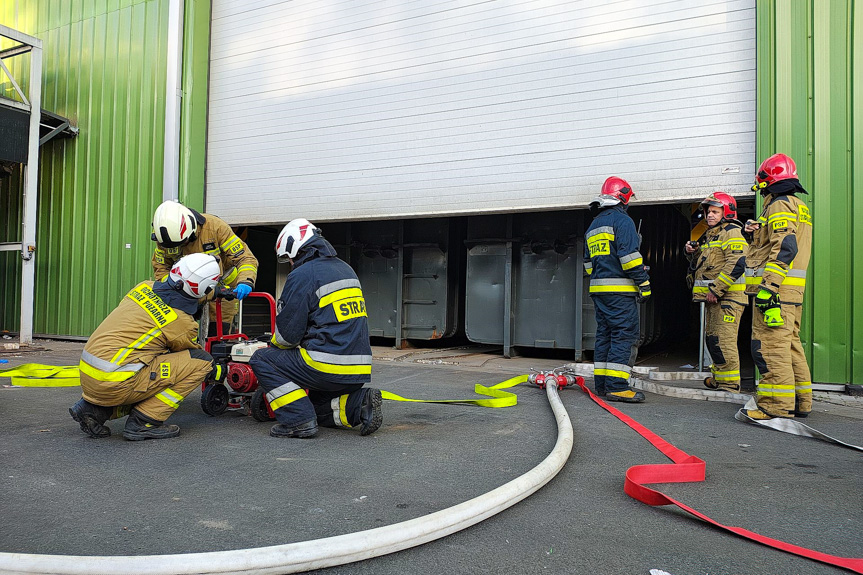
{"points": [[224, 293], [643, 292]]}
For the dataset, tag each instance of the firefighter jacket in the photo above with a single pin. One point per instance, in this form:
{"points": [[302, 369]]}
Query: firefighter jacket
{"points": [[152, 319], [322, 311], [720, 265], [216, 238], [611, 256], [781, 246]]}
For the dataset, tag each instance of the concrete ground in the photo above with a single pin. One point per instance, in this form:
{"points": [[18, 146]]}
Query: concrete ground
{"points": [[225, 484]]}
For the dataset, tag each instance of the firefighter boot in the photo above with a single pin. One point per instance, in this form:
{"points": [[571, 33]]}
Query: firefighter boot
{"points": [[797, 411], [626, 396], [91, 418], [140, 427], [305, 430], [371, 415], [757, 414]]}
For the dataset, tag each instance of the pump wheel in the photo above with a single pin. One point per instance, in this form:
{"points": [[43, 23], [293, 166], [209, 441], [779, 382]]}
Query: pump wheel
{"points": [[258, 406], [214, 399]]}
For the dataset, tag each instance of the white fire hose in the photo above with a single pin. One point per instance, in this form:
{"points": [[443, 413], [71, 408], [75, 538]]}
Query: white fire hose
{"points": [[318, 553]]}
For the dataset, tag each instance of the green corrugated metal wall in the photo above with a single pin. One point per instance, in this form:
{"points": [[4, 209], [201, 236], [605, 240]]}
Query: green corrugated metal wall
{"points": [[808, 93], [104, 68]]}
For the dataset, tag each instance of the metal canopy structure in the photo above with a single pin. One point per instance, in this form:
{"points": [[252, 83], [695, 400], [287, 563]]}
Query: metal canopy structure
{"points": [[23, 132]]}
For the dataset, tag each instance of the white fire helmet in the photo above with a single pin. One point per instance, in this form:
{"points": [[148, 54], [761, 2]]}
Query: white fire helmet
{"points": [[173, 224], [199, 273], [292, 237]]}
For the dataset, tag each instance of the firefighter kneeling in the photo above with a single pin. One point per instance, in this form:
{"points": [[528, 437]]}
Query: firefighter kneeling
{"points": [[144, 359], [321, 343]]}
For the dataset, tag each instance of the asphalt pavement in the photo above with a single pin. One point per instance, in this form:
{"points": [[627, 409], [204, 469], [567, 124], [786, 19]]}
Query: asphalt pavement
{"points": [[225, 484]]}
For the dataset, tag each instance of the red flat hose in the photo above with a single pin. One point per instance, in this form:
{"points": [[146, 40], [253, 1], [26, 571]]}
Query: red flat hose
{"points": [[689, 469]]}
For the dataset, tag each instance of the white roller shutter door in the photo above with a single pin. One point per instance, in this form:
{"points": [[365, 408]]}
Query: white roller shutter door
{"points": [[346, 110]]}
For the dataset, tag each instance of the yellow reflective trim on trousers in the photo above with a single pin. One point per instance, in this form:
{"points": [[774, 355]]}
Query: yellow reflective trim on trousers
{"points": [[788, 281], [38, 375], [620, 288], [776, 390], [499, 397], [170, 397], [611, 373], [287, 398], [100, 375], [363, 369], [633, 263], [343, 415], [339, 294]]}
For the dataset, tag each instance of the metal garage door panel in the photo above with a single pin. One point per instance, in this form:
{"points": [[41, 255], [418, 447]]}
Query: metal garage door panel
{"points": [[344, 110]]}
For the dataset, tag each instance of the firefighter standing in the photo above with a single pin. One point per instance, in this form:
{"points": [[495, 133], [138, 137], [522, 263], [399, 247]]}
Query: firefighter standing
{"points": [[179, 231], [143, 359], [321, 343], [776, 276], [618, 282], [718, 268]]}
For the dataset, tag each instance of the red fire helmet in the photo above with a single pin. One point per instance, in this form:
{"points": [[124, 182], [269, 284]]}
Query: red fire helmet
{"points": [[775, 168], [724, 201], [617, 188]]}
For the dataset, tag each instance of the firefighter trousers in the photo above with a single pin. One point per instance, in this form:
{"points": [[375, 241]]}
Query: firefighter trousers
{"points": [[617, 333], [785, 388], [720, 336], [157, 390], [334, 400]]}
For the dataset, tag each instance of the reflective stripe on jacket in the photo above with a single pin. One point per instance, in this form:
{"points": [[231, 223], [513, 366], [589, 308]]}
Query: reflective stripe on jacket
{"points": [[611, 255], [720, 266], [781, 248], [216, 238], [142, 327], [322, 310]]}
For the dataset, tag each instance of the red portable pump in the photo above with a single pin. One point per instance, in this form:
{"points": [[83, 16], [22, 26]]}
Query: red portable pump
{"points": [[237, 389]]}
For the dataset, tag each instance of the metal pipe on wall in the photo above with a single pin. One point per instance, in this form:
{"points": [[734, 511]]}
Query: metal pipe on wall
{"points": [[173, 102]]}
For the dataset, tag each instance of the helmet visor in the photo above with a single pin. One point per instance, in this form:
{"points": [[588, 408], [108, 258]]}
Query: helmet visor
{"points": [[167, 239], [282, 255]]}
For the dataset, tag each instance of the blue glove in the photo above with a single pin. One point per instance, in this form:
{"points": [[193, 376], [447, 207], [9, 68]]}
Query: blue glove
{"points": [[242, 290]]}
